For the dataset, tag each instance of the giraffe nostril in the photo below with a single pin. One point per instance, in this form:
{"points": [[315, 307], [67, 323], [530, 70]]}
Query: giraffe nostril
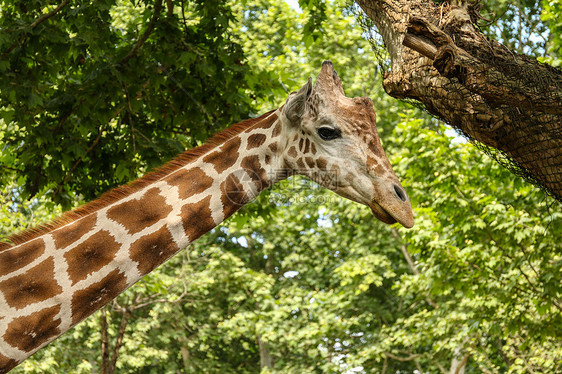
{"points": [[399, 192]]}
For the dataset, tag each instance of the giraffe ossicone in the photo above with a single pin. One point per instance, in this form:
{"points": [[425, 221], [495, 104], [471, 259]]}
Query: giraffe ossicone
{"points": [[53, 277]]}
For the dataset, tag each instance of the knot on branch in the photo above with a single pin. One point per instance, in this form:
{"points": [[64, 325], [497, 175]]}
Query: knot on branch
{"points": [[446, 63], [421, 27]]}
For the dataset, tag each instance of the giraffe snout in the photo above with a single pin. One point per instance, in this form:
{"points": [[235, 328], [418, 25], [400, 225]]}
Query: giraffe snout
{"points": [[391, 204]]}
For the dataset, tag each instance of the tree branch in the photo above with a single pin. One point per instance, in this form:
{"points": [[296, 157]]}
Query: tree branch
{"points": [[104, 342], [402, 359], [405, 252], [420, 44], [410, 262], [147, 32], [46, 16], [462, 364], [478, 76], [36, 23], [441, 368], [119, 342], [385, 365], [493, 95], [169, 8]]}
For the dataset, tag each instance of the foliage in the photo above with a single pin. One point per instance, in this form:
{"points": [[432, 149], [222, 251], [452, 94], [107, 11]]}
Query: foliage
{"points": [[94, 96], [18, 214], [308, 276], [552, 14], [532, 27], [517, 24], [489, 256]]}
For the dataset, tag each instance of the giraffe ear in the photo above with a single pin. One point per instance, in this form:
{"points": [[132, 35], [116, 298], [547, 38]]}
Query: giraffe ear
{"points": [[296, 105]]}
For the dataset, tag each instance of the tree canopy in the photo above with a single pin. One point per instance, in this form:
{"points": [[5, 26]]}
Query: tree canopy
{"points": [[300, 280]]}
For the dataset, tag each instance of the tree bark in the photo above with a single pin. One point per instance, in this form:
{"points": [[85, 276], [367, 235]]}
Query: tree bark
{"points": [[458, 363], [266, 361], [104, 342], [508, 102], [109, 359], [185, 356], [120, 335]]}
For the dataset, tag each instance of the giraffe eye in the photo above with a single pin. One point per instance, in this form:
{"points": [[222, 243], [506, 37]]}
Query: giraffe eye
{"points": [[329, 133]]}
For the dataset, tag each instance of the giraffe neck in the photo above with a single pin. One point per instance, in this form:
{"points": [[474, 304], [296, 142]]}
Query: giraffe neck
{"points": [[52, 282]]}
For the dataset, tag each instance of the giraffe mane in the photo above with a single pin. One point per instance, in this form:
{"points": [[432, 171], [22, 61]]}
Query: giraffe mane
{"points": [[120, 192]]}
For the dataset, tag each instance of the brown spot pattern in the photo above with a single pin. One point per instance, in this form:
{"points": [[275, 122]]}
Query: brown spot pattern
{"points": [[313, 103], [276, 129], [301, 143], [33, 286], [321, 163], [306, 145], [233, 195], [6, 364], [138, 214], [153, 249], [273, 147], [255, 141], [65, 236], [190, 182], [373, 164], [14, 259], [87, 301], [265, 123], [313, 148], [226, 157], [29, 332], [253, 167], [376, 148], [292, 152], [309, 162], [197, 218], [91, 255]]}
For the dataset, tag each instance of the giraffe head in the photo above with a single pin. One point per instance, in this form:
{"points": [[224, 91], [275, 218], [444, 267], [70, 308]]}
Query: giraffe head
{"points": [[333, 140]]}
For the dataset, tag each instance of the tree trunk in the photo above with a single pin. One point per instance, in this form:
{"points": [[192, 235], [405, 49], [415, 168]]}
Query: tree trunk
{"points": [[509, 103], [185, 357], [458, 363], [109, 359], [119, 341], [266, 361], [104, 342]]}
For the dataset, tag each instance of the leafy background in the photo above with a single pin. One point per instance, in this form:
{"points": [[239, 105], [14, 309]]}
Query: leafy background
{"points": [[299, 281]]}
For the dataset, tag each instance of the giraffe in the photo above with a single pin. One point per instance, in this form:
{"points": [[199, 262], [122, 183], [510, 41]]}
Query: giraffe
{"points": [[53, 277]]}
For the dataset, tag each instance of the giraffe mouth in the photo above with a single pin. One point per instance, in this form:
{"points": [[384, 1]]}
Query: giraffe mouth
{"points": [[381, 214]]}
